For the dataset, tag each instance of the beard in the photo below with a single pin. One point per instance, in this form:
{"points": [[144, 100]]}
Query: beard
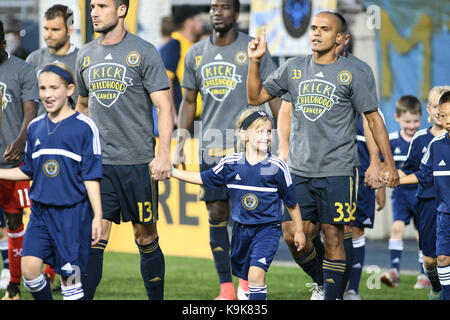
{"points": [[106, 28], [57, 45], [224, 28]]}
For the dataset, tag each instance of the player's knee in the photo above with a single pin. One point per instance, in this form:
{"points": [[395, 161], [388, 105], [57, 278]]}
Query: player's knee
{"points": [[397, 229], [429, 263], [145, 234], [31, 269], [218, 210], [13, 220], [443, 261]]}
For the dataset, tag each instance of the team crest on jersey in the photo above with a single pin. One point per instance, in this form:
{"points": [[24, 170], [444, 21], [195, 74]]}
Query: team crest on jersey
{"points": [[219, 79], [249, 201], [241, 57], [344, 77], [107, 82], [315, 98], [134, 59], [5, 98], [51, 168]]}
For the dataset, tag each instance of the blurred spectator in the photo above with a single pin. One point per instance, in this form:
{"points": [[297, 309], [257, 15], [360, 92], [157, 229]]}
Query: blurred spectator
{"points": [[167, 27], [13, 28]]}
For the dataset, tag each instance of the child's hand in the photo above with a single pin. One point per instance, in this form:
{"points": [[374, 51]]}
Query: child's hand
{"points": [[299, 240], [96, 230]]}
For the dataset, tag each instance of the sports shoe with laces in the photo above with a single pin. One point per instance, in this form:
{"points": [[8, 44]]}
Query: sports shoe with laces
{"points": [[242, 291], [422, 282], [435, 295], [12, 292], [317, 291], [390, 278], [4, 279], [226, 292], [351, 295]]}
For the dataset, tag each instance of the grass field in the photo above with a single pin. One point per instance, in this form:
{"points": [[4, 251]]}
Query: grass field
{"points": [[196, 279]]}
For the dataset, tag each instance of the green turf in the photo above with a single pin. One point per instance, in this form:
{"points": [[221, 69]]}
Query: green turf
{"points": [[196, 279]]}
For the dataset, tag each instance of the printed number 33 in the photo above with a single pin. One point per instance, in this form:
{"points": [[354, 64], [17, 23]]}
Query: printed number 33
{"points": [[148, 209], [296, 74], [350, 209]]}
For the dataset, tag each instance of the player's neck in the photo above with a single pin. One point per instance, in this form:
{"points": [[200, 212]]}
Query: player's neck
{"points": [[325, 57], [437, 130], [61, 51], [113, 36], [61, 114], [3, 56], [254, 156], [405, 137], [225, 39]]}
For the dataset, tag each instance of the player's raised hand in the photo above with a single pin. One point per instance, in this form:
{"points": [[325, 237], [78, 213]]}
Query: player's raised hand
{"points": [[258, 46]]}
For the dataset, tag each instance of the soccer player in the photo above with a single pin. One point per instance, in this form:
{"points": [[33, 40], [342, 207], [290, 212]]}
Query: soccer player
{"points": [[257, 182], [434, 171], [119, 75], [58, 27], [328, 91], [216, 68], [63, 158], [408, 111], [426, 208], [18, 84]]}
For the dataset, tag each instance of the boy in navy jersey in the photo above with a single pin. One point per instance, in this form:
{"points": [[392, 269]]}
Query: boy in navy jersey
{"points": [[258, 183], [408, 111], [63, 158], [434, 171], [426, 210]]}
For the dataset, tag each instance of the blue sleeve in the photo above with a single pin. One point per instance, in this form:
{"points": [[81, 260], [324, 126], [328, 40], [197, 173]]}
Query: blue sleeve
{"points": [[412, 161], [27, 167], [425, 172], [170, 55], [214, 178], [91, 164], [285, 186]]}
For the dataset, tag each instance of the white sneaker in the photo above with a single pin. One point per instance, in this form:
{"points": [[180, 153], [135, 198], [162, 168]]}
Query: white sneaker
{"points": [[422, 282], [317, 291], [242, 294], [351, 295], [4, 279]]}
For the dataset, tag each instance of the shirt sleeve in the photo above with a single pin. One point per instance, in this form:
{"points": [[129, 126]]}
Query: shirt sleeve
{"points": [[364, 92], [154, 76], [81, 85], [91, 164], [276, 84], [29, 84], [412, 161], [215, 177], [285, 186], [425, 172], [27, 167], [189, 81]]}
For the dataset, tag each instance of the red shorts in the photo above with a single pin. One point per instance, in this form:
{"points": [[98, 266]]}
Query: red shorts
{"points": [[14, 196]]}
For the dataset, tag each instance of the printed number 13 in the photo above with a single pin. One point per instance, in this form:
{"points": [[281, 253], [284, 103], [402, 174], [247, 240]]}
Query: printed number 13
{"points": [[148, 209]]}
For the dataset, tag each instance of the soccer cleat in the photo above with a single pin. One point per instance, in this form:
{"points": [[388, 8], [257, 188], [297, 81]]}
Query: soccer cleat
{"points": [[12, 292], [226, 292], [242, 291], [435, 295], [351, 295], [391, 278], [422, 282], [4, 279], [317, 291]]}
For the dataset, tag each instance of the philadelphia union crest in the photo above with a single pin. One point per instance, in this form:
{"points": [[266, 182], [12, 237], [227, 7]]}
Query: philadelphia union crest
{"points": [[296, 16], [51, 168], [249, 201]]}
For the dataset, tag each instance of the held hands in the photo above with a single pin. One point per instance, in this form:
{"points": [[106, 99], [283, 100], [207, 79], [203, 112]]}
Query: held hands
{"points": [[389, 177], [299, 240], [160, 167], [258, 46], [96, 230]]}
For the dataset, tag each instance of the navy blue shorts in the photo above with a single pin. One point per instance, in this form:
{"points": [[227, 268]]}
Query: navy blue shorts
{"points": [[207, 194], [129, 194], [253, 245], [60, 236], [365, 206], [328, 200], [426, 217], [443, 234], [404, 205]]}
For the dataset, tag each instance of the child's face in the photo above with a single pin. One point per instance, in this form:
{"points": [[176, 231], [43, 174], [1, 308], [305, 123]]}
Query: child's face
{"points": [[444, 113], [260, 136], [53, 91], [409, 122], [433, 109]]}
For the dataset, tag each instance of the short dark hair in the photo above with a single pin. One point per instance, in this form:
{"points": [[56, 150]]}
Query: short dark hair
{"points": [[181, 13], [344, 26], [119, 3], [408, 103], [2, 31], [236, 5], [444, 98], [59, 10]]}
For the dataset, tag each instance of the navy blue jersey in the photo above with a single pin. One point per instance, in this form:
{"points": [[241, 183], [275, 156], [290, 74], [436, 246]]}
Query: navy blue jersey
{"points": [[435, 169], [400, 147], [417, 149], [256, 191], [59, 157]]}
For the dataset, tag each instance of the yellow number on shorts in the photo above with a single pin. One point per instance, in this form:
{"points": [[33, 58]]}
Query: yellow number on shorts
{"points": [[339, 208], [148, 209], [350, 209], [296, 74]]}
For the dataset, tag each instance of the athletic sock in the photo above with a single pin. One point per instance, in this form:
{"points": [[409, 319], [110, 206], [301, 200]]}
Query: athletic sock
{"points": [[348, 247], [152, 269], [320, 248], [333, 274], [4, 253], [258, 293], [395, 250], [434, 278], [420, 260], [39, 288], [220, 247], [92, 278], [359, 251], [15, 242], [72, 292], [444, 279], [311, 266]]}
